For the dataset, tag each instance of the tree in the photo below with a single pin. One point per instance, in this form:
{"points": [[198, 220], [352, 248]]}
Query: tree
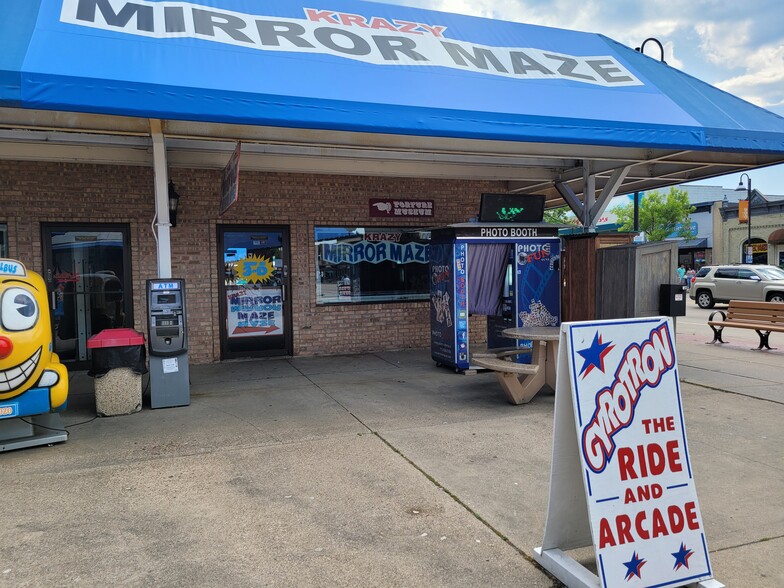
{"points": [[559, 216], [660, 216]]}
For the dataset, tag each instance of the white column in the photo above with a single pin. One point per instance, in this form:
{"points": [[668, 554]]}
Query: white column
{"points": [[162, 224]]}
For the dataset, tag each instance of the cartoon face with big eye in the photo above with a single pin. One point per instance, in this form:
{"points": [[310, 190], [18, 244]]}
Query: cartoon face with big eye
{"points": [[26, 359]]}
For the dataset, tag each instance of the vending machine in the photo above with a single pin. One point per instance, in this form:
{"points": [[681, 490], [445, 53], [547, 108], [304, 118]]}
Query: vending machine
{"points": [[508, 271]]}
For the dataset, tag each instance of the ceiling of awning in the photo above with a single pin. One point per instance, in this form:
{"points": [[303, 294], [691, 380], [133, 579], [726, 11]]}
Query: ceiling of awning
{"points": [[365, 89]]}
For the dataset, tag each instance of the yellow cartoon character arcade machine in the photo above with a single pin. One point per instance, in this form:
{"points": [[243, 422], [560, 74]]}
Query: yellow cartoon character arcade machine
{"points": [[33, 382]]}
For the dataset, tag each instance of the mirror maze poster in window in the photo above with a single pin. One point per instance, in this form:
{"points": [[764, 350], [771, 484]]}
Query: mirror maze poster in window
{"points": [[254, 304], [359, 265]]}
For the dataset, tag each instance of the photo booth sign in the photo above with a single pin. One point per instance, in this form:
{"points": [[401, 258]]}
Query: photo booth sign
{"points": [[622, 477]]}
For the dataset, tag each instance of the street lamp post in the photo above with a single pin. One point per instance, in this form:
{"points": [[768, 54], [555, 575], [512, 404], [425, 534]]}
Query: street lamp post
{"points": [[747, 187]]}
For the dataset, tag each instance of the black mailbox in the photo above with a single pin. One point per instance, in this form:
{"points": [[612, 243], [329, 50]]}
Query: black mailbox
{"points": [[672, 300]]}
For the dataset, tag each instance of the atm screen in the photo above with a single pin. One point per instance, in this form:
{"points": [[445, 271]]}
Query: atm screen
{"points": [[166, 298]]}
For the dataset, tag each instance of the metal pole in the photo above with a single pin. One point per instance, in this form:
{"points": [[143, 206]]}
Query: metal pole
{"points": [[748, 249], [748, 241], [636, 212]]}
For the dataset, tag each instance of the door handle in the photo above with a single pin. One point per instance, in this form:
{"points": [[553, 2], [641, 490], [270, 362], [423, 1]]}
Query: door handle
{"points": [[54, 304]]}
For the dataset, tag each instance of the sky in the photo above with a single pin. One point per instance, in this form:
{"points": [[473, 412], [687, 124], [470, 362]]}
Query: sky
{"points": [[735, 46]]}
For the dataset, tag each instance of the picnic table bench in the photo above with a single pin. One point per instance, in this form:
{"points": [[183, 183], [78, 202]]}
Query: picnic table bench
{"points": [[522, 381], [501, 352], [762, 317], [509, 373]]}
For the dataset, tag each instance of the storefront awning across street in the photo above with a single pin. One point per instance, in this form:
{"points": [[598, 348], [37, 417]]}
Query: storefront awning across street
{"points": [[364, 88]]}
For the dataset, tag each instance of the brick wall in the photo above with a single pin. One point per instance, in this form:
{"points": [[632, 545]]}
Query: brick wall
{"points": [[37, 192]]}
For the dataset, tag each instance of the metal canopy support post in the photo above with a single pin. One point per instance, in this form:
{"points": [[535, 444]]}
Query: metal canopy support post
{"points": [[609, 190], [162, 224], [589, 195], [570, 198], [637, 212]]}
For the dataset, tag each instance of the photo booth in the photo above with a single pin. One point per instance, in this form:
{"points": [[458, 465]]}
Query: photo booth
{"points": [[508, 271]]}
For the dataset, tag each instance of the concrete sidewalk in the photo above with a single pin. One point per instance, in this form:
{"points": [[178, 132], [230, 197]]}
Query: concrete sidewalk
{"points": [[367, 470]]}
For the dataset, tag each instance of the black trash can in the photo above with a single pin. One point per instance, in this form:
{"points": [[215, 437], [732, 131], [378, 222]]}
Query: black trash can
{"points": [[672, 300], [119, 359]]}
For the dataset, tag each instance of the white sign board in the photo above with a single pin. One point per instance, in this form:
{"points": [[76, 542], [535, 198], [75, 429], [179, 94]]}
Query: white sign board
{"points": [[169, 365], [622, 479]]}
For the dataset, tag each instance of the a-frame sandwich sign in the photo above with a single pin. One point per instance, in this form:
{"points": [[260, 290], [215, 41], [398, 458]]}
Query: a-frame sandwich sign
{"points": [[622, 478]]}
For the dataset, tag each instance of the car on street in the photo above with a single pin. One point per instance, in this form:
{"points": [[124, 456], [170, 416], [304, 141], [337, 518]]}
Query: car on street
{"points": [[722, 283]]}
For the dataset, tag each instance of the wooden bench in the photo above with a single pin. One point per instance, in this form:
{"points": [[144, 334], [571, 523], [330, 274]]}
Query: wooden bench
{"points": [[762, 317], [509, 373]]}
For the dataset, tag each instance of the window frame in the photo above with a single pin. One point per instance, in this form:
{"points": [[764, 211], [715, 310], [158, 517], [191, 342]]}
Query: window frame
{"points": [[417, 297]]}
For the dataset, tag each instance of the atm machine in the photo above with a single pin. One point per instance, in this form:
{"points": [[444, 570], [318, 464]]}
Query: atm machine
{"points": [[168, 343]]}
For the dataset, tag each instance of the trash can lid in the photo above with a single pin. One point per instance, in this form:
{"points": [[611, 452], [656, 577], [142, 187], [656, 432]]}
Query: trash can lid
{"points": [[115, 338]]}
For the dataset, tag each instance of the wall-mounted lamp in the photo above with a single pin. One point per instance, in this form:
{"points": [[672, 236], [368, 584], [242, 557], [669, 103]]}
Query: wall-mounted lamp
{"points": [[174, 202], [641, 48]]}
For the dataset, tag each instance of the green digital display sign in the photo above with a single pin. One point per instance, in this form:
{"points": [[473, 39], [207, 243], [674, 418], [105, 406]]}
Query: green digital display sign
{"points": [[511, 208]]}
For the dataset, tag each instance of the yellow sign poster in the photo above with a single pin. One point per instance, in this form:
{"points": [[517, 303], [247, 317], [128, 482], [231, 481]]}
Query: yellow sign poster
{"points": [[254, 269], [743, 211]]}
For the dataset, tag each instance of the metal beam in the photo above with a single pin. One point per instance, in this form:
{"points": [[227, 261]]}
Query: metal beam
{"points": [[331, 151], [570, 198], [589, 194], [609, 190]]}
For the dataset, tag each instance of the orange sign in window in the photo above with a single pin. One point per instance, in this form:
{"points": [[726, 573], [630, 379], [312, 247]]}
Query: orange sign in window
{"points": [[743, 211]]}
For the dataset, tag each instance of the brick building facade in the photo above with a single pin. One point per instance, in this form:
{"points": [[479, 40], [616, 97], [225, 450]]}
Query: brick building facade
{"points": [[95, 141], [36, 193]]}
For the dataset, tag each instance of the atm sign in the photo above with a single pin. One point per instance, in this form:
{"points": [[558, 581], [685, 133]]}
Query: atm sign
{"points": [[165, 286]]}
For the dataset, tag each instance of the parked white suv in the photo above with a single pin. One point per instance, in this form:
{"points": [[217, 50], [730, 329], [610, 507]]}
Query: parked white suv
{"points": [[722, 283]]}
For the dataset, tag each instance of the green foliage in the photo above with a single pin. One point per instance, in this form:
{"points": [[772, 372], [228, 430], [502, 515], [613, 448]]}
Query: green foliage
{"points": [[660, 215], [558, 216]]}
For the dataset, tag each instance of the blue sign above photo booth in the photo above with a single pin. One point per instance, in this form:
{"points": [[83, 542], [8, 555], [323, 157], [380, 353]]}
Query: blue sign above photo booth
{"points": [[358, 66]]}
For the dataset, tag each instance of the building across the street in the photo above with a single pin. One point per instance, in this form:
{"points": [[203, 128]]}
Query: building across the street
{"points": [[289, 163]]}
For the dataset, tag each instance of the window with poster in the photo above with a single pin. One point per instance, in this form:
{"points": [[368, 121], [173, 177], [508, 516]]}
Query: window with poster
{"points": [[759, 251], [361, 265]]}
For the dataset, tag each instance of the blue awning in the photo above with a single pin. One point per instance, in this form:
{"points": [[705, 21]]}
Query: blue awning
{"points": [[360, 66], [693, 244]]}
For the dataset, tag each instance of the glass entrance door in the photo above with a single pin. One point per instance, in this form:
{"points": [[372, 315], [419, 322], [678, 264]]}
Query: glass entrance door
{"points": [[254, 288], [87, 273]]}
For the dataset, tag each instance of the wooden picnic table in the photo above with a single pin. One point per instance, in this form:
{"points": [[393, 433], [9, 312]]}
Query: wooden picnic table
{"points": [[544, 354]]}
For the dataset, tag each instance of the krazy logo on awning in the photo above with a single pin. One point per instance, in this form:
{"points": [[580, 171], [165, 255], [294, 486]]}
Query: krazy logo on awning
{"points": [[370, 39]]}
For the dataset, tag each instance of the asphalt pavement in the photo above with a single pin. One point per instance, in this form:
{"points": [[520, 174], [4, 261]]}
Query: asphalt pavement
{"points": [[365, 470]]}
